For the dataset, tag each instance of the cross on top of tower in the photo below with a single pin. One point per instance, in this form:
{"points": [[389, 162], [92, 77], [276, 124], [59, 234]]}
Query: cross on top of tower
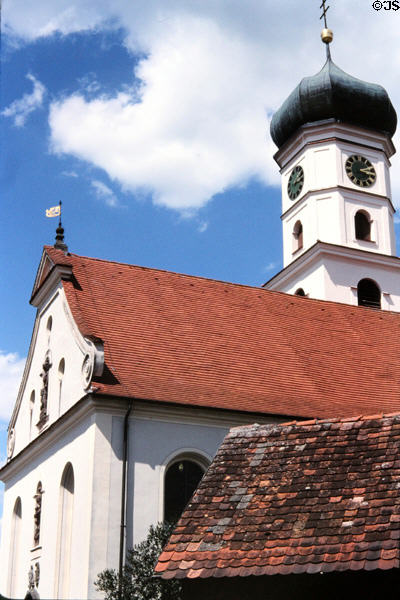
{"points": [[324, 11], [326, 33]]}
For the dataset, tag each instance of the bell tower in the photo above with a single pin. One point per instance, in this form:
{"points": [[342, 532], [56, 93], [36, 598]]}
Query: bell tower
{"points": [[334, 137]]}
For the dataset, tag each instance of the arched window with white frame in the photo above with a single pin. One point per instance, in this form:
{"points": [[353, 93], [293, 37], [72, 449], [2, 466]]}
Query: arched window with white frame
{"points": [[15, 545], [64, 533], [182, 476]]}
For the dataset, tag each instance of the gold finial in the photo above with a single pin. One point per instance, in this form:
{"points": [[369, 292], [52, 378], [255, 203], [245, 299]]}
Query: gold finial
{"points": [[326, 33]]}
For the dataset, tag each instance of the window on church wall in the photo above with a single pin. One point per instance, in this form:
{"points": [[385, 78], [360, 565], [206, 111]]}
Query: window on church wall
{"points": [[362, 223], [14, 555], [37, 515], [31, 409], [368, 294], [49, 326], [64, 537], [297, 236], [61, 371], [181, 479]]}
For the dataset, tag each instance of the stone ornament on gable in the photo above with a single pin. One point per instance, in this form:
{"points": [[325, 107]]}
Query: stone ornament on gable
{"points": [[87, 370], [31, 578], [37, 514], [44, 392], [10, 443]]}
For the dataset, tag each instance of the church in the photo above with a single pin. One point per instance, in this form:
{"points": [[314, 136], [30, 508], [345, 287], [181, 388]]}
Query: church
{"points": [[135, 375]]}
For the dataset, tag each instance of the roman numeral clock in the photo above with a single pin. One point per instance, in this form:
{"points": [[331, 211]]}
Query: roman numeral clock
{"points": [[360, 170]]}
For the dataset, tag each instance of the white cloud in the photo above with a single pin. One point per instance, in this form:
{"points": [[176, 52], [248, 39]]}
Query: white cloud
{"points": [[181, 143], [103, 192], [196, 125], [11, 369], [203, 226], [21, 108], [271, 266], [69, 174]]}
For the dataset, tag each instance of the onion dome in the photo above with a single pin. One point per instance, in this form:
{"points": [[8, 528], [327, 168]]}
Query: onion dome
{"points": [[333, 94]]}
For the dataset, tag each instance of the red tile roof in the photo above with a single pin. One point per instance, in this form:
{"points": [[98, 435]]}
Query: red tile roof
{"points": [[298, 498], [200, 342]]}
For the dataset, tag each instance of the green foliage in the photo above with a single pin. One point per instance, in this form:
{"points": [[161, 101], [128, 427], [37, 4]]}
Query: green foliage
{"points": [[138, 582]]}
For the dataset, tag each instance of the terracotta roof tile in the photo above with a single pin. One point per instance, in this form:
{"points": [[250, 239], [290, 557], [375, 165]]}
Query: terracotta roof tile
{"points": [[302, 533], [193, 341]]}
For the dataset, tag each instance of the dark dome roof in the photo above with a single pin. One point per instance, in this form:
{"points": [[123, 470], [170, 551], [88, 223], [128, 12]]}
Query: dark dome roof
{"points": [[332, 93]]}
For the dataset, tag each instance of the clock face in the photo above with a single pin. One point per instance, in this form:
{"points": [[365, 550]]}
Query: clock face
{"points": [[296, 182], [360, 170]]}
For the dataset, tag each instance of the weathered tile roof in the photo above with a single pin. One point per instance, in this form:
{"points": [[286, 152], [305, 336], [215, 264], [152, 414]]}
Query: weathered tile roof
{"points": [[200, 342], [298, 498]]}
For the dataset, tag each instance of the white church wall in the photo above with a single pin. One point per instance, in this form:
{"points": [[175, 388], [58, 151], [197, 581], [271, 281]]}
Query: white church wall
{"points": [[75, 446]]}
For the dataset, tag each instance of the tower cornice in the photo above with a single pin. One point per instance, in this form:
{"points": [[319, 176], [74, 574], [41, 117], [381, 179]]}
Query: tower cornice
{"points": [[342, 188], [331, 130]]}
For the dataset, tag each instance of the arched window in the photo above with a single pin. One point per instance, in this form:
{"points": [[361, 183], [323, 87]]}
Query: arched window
{"points": [[63, 559], [368, 294], [182, 477], [300, 292], [362, 225], [297, 236], [49, 324], [31, 409], [15, 541], [37, 516], [61, 371]]}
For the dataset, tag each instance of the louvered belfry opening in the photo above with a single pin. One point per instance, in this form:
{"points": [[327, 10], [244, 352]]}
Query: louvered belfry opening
{"points": [[368, 294]]}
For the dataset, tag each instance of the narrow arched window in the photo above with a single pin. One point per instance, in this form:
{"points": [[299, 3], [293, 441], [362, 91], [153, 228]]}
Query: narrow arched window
{"points": [[37, 516], [300, 292], [181, 479], [368, 294], [31, 409], [49, 324], [61, 371], [14, 555], [297, 236], [63, 562], [362, 224]]}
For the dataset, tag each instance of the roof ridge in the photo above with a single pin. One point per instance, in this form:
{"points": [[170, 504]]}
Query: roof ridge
{"points": [[308, 422]]}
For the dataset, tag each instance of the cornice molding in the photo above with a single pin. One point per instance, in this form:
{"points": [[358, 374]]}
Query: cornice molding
{"points": [[90, 404], [53, 279], [332, 130], [342, 189], [320, 249]]}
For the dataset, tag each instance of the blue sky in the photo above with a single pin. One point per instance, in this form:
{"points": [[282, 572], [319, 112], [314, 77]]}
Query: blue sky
{"points": [[149, 121]]}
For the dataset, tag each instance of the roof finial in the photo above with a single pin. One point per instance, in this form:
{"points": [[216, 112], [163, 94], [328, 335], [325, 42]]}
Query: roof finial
{"points": [[60, 245], [326, 33]]}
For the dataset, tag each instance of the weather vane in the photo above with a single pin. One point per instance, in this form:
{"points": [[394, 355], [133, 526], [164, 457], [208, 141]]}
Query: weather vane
{"points": [[326, 33]]}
